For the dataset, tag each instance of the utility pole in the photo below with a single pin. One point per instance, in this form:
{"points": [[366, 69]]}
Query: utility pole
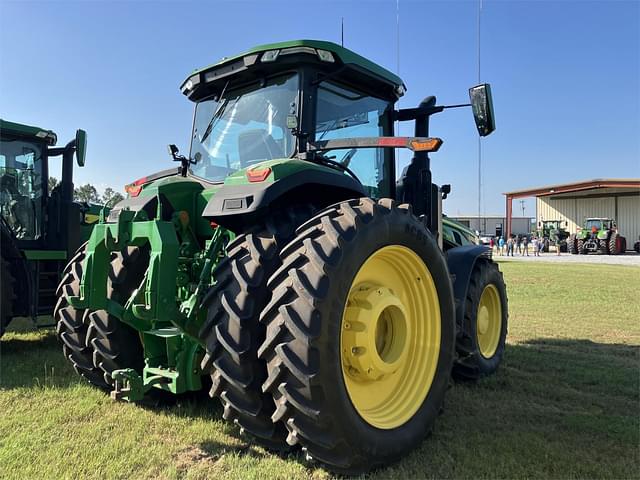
{"points": [[522, 206]]}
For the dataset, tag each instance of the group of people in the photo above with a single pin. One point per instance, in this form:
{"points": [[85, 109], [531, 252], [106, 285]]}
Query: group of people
{"points": [[517, 244]]}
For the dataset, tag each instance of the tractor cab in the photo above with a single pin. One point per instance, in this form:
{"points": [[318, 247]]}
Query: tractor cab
{"points": [[39, 228], [274, 101], [23, 178], [258, 114]]}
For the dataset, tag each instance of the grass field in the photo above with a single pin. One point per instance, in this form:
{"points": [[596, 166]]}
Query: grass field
{"points": [[565, 403]]}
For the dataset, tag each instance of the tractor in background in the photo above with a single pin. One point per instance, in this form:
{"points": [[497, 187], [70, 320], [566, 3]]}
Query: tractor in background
{"points": [[598, 235], [553, 232], [282, 264], [40, 229]]}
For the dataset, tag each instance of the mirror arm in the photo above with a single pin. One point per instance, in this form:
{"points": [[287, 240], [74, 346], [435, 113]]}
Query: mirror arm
{"points": [[456, 106]]}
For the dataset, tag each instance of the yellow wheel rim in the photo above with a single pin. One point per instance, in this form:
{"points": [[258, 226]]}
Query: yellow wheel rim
{"points": [[489, 321], [390, 337]]}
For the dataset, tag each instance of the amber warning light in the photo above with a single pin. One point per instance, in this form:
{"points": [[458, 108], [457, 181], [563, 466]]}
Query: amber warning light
{"points": [[134, 189]]}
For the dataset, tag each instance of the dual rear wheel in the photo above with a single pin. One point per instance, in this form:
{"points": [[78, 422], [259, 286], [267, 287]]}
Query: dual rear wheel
{"points": [[335, 333]]}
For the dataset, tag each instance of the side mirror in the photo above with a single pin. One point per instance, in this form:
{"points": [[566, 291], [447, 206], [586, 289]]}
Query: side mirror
{"points": [[482, 106], [81, 147], [173, 150]]}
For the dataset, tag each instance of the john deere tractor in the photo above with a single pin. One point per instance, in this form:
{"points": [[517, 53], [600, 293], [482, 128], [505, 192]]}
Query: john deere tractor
{"points": [[599, 235], [282, 260], [40, 229], [553, 233]]}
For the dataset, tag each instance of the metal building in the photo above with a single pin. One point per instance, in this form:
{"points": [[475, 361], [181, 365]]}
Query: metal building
{"points": [[573, 202], [494, 225]]}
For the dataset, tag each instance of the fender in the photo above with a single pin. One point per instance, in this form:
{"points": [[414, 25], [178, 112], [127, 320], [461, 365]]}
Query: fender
{"points": [[234, 205], [147, 203], [461, 261]]}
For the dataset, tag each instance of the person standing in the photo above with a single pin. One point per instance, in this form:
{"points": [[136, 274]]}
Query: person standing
{"points": [[534, 244], [500, 245], [556, 239], [510, 246], [518, 244], [525, 245], [492, 243]]}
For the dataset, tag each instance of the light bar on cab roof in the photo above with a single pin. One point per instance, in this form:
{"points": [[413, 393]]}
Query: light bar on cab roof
{"points": [[416, 144]]}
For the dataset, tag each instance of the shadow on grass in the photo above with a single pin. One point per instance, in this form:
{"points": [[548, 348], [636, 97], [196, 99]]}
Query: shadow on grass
{"points": [[547, 394]]}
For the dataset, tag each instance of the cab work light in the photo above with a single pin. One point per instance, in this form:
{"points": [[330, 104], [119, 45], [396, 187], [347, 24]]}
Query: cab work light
{"points": [[270, 56], [326, 56]]}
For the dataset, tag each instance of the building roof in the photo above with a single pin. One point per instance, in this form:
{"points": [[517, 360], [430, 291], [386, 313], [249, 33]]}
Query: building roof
{"points": [[475, 215], [576, 187]]}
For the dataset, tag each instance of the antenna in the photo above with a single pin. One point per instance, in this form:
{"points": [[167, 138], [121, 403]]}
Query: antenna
{"points": [[479, 138], [398, 37], [342, 31]]}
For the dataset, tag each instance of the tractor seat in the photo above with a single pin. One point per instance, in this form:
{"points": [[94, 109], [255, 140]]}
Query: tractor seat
{"points": [[256, 146]]}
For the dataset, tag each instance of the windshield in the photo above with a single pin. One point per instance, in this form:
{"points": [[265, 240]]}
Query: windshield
{"points": [[345, 113], [21, 186], [243, 127], [594, 223]]}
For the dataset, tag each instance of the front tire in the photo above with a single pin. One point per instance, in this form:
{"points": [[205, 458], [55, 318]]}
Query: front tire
{"points": [[481, 344], [571, 245], [360, 335]]}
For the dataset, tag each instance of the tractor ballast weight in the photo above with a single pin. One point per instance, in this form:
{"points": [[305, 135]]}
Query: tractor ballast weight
{"points": [[232, 265]]}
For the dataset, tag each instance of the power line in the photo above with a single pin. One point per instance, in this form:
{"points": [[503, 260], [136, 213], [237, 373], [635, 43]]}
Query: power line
{"points": [[479, 138], [397, 151]]}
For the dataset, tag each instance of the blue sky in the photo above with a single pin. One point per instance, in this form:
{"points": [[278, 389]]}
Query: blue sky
{"points": [[565, 77]]}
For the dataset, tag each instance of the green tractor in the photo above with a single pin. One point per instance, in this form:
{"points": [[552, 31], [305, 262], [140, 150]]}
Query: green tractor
{"points": [[599, 235], [40, 229], [553, 232], [283, 265]]}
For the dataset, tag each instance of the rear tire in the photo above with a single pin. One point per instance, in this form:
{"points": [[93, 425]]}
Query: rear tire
{"points": [[115, 344], [94, 342], [72, 323], [614, 244], [481, 352], [233, 332], [306, 347]]}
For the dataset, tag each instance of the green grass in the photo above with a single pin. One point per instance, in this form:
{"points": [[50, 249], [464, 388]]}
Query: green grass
{"points": [[565, 403]]}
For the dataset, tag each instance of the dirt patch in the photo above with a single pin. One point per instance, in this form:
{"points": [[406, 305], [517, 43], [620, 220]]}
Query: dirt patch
{"points": [[196, 456]]}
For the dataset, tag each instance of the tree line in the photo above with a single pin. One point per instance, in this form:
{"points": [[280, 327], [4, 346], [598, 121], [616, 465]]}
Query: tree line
{"points": [[89, 194]]}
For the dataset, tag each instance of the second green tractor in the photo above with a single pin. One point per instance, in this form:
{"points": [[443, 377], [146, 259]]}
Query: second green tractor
{"points": [[282, 264]]}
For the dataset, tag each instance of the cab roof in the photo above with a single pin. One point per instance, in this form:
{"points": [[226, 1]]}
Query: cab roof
{"points": [[346, 58], [22, 130]]}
